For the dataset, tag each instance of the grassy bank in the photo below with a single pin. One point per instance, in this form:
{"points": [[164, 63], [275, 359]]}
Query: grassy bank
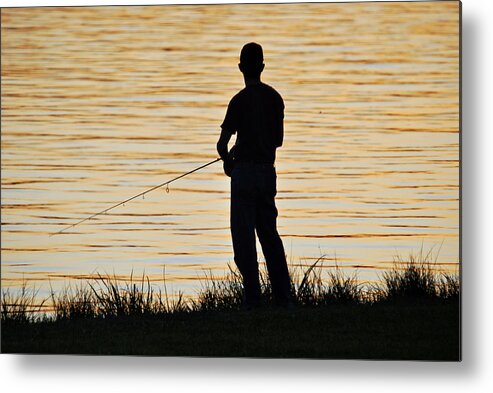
{"points": [[412, 314]]}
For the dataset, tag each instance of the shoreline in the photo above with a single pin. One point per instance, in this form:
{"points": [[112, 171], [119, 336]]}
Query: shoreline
{"points": [[383, 332], [413, 315]]}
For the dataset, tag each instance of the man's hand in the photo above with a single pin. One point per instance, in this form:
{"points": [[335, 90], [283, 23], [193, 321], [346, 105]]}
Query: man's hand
{"points": [[222, 149], [228, 167], [229, 162]]}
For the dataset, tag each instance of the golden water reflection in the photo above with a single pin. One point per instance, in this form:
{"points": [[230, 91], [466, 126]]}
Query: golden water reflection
{"points": [[99, 104]]}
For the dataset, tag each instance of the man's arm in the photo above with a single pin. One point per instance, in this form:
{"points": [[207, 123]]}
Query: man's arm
{"points": [[222, 144]]}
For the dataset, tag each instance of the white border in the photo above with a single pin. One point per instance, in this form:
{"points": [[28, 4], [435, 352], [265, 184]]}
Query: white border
{"points": [[134, 374]]}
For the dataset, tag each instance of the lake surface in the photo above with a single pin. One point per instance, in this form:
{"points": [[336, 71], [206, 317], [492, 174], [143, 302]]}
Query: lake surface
{"points": [[101, 103]]}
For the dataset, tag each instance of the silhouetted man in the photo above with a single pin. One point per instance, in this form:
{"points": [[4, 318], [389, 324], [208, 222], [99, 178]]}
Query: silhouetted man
{"points": [[256, 115]]}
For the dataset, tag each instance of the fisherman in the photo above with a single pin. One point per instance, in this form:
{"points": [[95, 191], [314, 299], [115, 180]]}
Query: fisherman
{"points": [[256, 116]]}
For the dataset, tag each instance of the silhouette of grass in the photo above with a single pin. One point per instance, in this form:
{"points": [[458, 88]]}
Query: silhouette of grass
{"points": [[413, 280], [22, 306], [220, 295], [416, 280], [449, 287], [106, 297], [307, 289], [412, 314], [73, 303], [337, 289]]}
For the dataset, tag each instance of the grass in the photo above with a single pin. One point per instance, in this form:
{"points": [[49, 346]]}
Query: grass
{"points": [[412, 314], [21, 307], [416, 280]]}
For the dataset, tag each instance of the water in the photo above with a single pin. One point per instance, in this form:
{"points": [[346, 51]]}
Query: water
{"points": [[99, 104]]}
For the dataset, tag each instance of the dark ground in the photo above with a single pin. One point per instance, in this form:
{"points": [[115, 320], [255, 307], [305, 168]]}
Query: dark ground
{"points": [[383, 331]]}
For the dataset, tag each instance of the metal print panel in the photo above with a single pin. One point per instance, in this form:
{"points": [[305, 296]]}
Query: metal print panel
{"points": [[261, 180]]}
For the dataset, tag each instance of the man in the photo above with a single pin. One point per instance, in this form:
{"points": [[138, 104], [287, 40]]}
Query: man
{"points": [[256, 115]]}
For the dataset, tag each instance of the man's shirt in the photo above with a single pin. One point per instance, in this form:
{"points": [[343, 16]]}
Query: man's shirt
{"points": [[256, 113]]}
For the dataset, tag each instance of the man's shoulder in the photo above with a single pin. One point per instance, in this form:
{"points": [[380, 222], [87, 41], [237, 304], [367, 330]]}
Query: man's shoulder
{"points": [[264, 88], [237, 97], [270, 88], [271, 91]]}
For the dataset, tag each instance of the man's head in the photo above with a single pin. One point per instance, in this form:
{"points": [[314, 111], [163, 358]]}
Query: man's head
{"points": [[251, 60]]}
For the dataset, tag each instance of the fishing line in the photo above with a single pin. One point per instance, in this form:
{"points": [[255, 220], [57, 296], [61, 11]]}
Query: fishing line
{"points": [[142, 194]]}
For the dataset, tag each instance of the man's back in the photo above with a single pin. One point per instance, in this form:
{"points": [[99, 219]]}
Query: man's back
{"points": [[257, 114]]}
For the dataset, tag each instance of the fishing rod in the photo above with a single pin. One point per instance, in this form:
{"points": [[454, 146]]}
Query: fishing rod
{"points": [[166, 183]]}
